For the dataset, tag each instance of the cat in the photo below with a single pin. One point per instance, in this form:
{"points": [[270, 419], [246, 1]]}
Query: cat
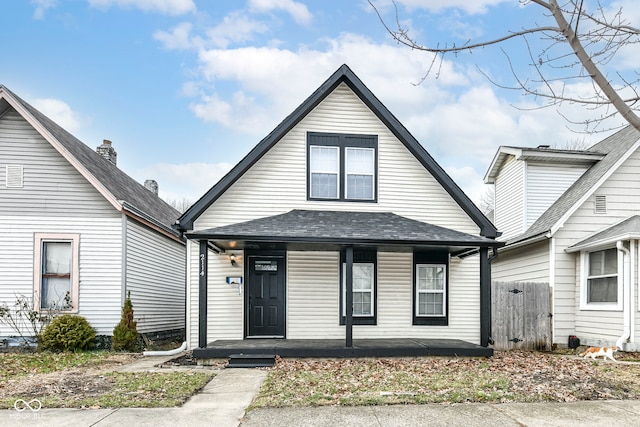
{"points": [[606, 352]]}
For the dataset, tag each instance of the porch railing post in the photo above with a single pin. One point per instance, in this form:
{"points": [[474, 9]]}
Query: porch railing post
{"points": [[349, 297], [203, 262]]}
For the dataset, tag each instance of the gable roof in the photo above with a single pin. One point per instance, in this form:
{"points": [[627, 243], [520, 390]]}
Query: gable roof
{"points": [[340, 228], [616, 148], [122, 191], [342, 75]]}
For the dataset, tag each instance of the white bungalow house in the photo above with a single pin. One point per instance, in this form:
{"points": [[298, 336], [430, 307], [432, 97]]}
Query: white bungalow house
{"points": [[76, 227], [570, 218], [338, 234]]}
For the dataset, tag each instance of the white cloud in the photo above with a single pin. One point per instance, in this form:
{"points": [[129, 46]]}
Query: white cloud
{"points": [[298, 11], [236, 27], [184, 181], [41, 7], [179, 38], [60, 112], [168, 7]]}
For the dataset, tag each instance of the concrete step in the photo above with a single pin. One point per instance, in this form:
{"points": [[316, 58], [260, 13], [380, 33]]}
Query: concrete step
{"points": [[251, 360]]}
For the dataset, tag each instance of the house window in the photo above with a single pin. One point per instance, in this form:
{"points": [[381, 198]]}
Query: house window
{"points": [[324, 172], [56, 271], [342, 167], [602, 277], [430, 288], [364, 287]]}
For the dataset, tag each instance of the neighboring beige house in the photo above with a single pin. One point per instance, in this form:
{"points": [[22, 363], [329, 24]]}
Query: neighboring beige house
{"points": [[570, 218], [339, 186], [74, 225]]}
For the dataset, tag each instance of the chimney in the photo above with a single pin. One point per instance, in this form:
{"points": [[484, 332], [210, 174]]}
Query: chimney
{"points": [[107, 151], [151, 185]]}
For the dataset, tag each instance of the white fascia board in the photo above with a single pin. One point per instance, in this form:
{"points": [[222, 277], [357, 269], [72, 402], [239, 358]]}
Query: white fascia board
{"points": [[498, 160]]}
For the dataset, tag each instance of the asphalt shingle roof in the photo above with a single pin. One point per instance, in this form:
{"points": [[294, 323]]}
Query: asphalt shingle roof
{"points": [[630, 226], [343, 227], [614, 147], [124, 188]]}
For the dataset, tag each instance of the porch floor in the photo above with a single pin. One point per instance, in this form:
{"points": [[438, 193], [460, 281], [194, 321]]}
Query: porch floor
{"points": [[385, 347]]}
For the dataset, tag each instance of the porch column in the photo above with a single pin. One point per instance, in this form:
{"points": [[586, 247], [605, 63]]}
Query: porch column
{"points": [[349, 297], [485, 297], [203, 262]]}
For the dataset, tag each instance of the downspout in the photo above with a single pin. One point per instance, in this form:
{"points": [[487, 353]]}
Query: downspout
{"points": [[626, 292]]}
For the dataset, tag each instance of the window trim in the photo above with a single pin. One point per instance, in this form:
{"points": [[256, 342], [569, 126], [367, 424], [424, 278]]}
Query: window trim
{"points": [[434, 258], [584, 280], [359, 257], [38, 241], [343, 141]]}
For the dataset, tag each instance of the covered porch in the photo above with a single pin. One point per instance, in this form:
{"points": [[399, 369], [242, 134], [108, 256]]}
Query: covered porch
{"points": [[346, 233], [379, 347]]}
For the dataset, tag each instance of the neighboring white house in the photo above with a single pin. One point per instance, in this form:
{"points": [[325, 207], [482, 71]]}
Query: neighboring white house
{"points": [[570, 219], [340, 185], [75, 226]]}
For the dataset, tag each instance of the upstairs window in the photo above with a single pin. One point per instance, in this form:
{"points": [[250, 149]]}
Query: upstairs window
{"points": [[342, 167]]}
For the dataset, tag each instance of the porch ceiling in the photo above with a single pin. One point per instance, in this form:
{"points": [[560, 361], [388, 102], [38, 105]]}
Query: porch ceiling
{"points": [[324, 230]]}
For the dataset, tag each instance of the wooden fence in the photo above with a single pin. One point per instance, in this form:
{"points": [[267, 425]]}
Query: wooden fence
{"points": [[521, 316]]}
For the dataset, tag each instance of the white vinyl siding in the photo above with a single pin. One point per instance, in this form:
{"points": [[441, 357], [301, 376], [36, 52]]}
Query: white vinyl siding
{"points": [[100, 266], [545, 184], [623, 200], [526, 264], [313, 291], [509, 196], [51, 185], [277, 182], [155, 276]]}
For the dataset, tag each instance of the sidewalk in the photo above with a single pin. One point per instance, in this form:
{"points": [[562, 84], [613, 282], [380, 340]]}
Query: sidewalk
{"points": [[579, 414]]}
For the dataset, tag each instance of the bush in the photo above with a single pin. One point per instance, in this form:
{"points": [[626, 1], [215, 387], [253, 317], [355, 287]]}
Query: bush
{"points": [[125, 334], [68, 333]]}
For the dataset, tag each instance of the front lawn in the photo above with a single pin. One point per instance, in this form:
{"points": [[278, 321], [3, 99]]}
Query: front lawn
{"points": [[88, 380], [506, 377]]}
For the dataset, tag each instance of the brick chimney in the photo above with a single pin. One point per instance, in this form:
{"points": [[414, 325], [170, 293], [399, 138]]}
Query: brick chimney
{"points": [[151, 185], [107, 151]]}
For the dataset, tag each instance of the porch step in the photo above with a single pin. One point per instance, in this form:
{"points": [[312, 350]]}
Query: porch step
{"points": [[251, 360]]}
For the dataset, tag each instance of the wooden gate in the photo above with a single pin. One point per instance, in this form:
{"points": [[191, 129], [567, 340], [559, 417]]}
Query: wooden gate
{"points": [[521, 316]]}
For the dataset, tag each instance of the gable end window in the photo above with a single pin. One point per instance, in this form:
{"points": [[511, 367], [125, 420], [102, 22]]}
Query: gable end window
{"points": [[365, 279], [601, 286], [430, 288], [56, 270], [342, 167]]}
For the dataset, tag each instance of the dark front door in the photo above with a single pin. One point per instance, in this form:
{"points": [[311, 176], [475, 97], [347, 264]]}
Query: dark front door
{"points": [[265, 297]]}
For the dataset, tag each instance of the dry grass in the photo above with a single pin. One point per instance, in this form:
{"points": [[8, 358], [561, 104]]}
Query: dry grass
{"points": [[506, 377]]}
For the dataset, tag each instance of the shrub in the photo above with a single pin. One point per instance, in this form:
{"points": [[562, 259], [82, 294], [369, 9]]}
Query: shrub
{"points": [[125, 334], [68, 333]]}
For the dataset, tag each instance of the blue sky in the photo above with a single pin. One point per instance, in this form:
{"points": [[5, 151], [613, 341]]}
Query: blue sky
{"points": [[185, 88]]}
